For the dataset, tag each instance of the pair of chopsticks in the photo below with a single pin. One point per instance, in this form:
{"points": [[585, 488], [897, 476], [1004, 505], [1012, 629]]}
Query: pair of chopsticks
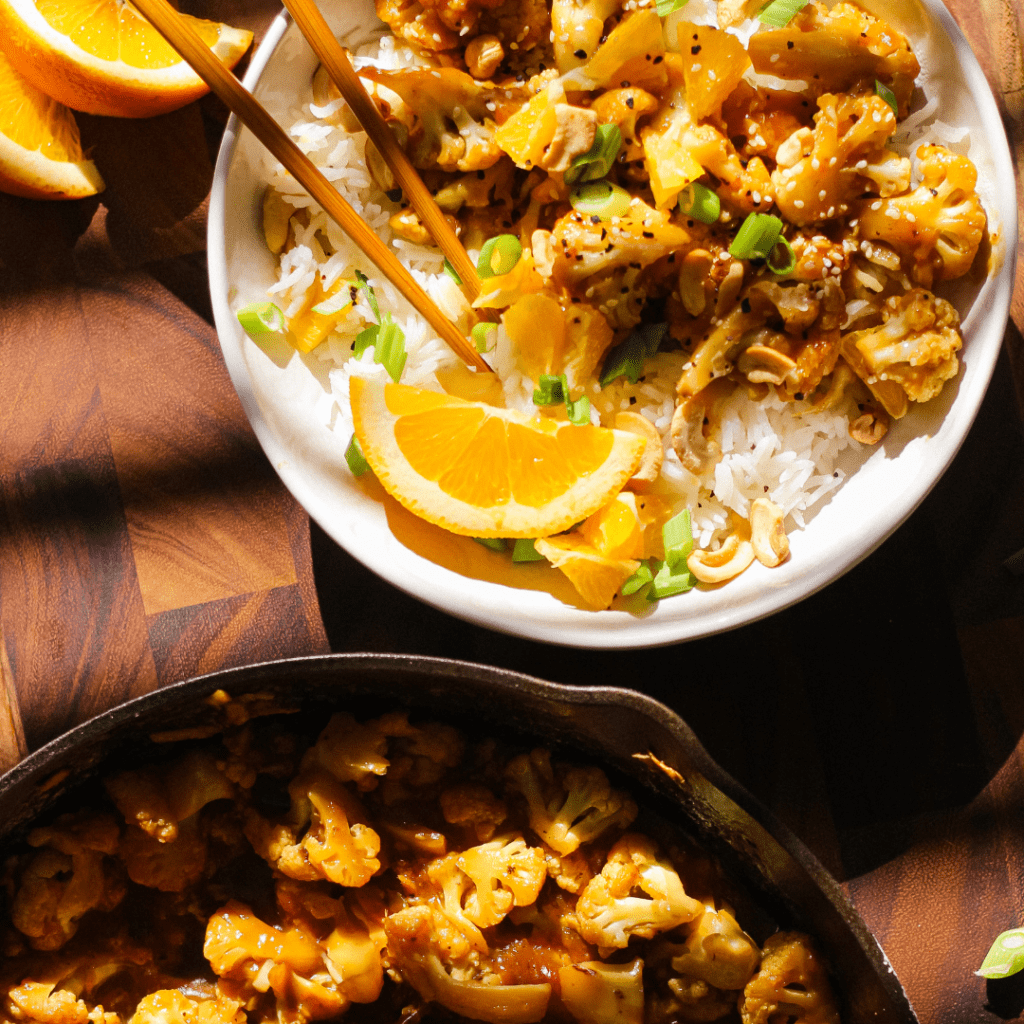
{"points": [[255, 117]]}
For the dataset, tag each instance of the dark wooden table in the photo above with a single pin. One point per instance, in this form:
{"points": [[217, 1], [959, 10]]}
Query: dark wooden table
{"points": [[144, 538]]}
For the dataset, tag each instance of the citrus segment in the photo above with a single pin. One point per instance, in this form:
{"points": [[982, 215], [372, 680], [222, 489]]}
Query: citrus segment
{"points": [[40, 153], [482, 471], [596, 577], [103, 57]]}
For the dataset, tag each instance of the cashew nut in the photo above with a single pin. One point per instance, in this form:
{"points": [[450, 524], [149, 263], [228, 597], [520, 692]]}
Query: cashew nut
{"points": [[768, 533], [728, 561], [483, 56], [842, 377], [695, 451], [763, 365], [382, 175], [696, 269], [870, 427], [407, 224], [729, 289], [654, 452], [324, 92]]}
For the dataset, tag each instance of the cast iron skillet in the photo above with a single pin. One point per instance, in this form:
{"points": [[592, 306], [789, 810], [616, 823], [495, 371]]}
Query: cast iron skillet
{"points": [[609, 725]]}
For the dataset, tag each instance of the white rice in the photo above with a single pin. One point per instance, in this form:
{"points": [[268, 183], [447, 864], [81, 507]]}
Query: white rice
{"points": [[770, 448]]}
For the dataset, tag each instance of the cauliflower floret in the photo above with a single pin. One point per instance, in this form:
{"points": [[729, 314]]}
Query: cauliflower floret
{"points": [[635, 895], [158, 798], [435, 99], [170, 1006], [578, 28], [37, 1001], [718, 950], [411, 21], [835, 50], [336, 846], [820, 173], [638, 238], [354, 949], [167, 866], [474, 805], [791, 985], [915, 347], [414, 952], [600, 993], [505, 873], [571, 809], [352, 751], [939, 225], [67, 878], [250, 957]]}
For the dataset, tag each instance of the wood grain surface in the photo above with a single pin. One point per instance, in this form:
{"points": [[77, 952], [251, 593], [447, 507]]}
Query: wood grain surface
{"points": [[144, 538]]}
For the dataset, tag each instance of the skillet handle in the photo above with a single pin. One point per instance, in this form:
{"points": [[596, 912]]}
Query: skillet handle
{"points": [[12, 733]]}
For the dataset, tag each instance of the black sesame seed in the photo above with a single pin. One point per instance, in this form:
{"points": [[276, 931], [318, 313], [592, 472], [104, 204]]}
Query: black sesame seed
{"points": [[695, 49], [581, 54], [394, 194], [629, 102]]}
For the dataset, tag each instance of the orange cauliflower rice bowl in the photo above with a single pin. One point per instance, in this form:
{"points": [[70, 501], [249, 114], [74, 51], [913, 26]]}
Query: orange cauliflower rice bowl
{"points": [[737, 262]]}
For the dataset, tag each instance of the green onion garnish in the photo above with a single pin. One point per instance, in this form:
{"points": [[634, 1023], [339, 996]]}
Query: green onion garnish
{"points": [[627, 358], [677, 536], [700, 203], [668, 583], [779, 13], [498, 256], [888, 95], [389, 349], [639, 579], [667, 7], [370, 294], [578, 411], [790, 265], [355, 458], [364, 339], [261, 318], [600, 199], [756, 237], [494, 543], [451, 272], [524, 551], [1006, 956], [482, 335], [551, 389], [598, 160]]}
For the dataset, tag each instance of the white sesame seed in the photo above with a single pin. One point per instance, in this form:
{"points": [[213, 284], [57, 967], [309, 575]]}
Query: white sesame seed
{"points": [[877, 204], [826, 262], [910, 217], [695, 67], [712, 76], [832, 162], [799, 204], [774, 57], [876, 117], [815, 163], [822, 194], [893, 212], [791, 186], [861, 164], [757, 198], [831, 212]]}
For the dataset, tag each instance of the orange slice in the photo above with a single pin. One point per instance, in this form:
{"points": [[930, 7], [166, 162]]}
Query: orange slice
{"points": [[40, 153], [485, 472], [596, 577], [102, 57]]}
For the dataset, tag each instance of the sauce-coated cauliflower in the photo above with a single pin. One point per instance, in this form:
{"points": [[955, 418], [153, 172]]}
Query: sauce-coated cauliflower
{"points": [[791, 984]]}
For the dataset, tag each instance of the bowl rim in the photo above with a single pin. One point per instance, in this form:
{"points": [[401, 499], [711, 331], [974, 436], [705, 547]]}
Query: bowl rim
{"points": [[569, 626], [43, 772]]}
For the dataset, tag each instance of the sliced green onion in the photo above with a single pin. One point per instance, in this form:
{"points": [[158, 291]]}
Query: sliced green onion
{"points": [[1006, 956], [451, 272], [364, 339], [493, 543], [261, 318], [498, 256], [524, 551], [677, 536], [481, 335], [888, 95], [578, 411], [355, 458], [790, 265], [371, 296], [668, 583], [667, 7], [639, 579], [551, 390], [779, 13], [700, 203], [600, 199], [627, 358], [335, 303], [389, 349], [756, 237], [598, 160]]}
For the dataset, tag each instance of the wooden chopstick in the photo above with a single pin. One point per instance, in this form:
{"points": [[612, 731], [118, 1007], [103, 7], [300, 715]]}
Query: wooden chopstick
{"points": [[334, 59], [255, 117]]}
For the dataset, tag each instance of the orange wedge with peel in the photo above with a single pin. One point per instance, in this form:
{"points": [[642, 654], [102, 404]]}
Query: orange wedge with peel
{"points": [[103, 57], [596, 577], [481, 471], [40, 152]]}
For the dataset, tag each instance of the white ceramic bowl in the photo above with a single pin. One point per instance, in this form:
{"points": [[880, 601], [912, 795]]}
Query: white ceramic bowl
{"points": [[283, 395]]}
